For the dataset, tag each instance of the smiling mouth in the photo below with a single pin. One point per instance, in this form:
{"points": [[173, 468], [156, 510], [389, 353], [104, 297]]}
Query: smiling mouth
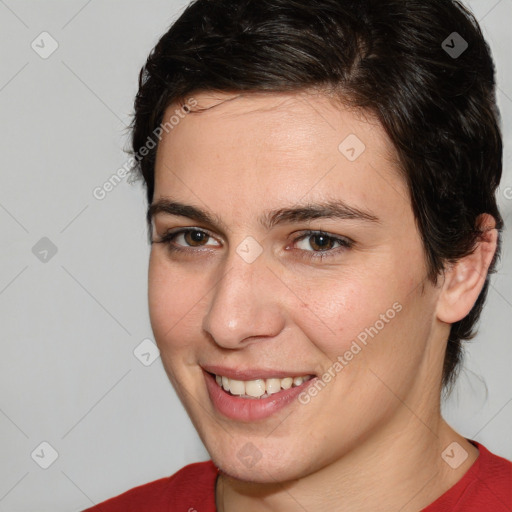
{"points": [[258, 388]]}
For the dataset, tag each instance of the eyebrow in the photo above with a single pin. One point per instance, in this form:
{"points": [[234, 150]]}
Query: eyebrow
{"points": [[335, 209]]}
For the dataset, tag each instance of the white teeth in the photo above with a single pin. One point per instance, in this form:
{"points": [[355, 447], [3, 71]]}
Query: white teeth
{"points": [[286, 383], [273, 386], [255, 388], [258, 388], [236, 387]]}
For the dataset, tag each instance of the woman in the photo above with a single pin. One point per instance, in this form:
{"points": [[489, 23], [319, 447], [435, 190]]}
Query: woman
{"points": [[321, 182]]}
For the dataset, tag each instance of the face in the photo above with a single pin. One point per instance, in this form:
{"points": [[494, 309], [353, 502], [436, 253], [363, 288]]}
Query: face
{"points": [[268, 286]]}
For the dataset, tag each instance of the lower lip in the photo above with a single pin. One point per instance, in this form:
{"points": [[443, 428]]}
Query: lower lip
{"points": [[251, 409]]}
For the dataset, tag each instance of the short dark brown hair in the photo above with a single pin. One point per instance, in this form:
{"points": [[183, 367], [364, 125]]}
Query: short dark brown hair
{"points": [[404, 61]]}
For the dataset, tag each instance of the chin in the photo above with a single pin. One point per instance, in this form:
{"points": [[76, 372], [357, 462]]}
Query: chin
{"points": [[266, 464]]}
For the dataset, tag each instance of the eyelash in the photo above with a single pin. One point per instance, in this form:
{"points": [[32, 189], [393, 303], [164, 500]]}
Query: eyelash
{"points": [[345, 243]]}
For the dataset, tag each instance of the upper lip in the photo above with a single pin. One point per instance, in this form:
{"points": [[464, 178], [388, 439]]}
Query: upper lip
{"points": [[251, 373]]}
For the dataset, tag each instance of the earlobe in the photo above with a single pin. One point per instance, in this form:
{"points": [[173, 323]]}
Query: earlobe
{"points": [[464, 280]]}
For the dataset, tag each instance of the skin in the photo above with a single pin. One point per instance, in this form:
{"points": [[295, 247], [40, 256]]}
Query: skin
{"points": [[371, 440]]}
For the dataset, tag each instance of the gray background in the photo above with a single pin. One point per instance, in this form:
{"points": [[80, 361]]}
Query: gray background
{"points": [[70, 321]]}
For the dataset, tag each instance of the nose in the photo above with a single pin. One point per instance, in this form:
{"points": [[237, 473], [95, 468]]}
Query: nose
{"points": [[245, 304]]}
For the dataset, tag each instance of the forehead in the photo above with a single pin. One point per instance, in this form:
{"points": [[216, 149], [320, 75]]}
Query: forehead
{"points": [[281, 118], [265, 149]]}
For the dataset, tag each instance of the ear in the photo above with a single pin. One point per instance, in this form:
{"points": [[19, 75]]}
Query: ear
{"points": [[464, 280]]}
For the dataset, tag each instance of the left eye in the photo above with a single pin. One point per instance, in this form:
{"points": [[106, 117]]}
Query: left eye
{"points": [[321, 242]]}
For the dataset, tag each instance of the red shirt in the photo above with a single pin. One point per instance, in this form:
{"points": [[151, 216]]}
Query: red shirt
{"points": [[486, 487]]}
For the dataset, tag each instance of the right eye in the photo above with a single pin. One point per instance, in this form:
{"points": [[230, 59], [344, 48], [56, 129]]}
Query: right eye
{"points": [[192, 237]]}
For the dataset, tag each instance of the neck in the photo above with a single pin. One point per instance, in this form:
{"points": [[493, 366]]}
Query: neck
{"points": [[400, 468]]}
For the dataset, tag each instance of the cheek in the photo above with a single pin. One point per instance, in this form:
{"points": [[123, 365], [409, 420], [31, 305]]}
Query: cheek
{"points": [[340, 307], [363, 315], [173, 299]]}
